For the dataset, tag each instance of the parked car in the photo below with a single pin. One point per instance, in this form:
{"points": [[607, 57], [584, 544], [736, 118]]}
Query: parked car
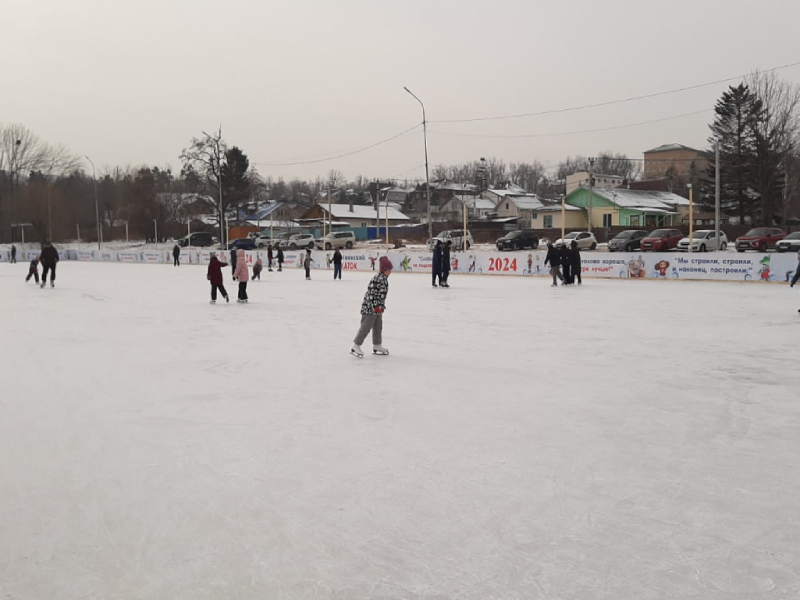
{"points": [[760, 239], [517, 240], [263, 240], [791, 243], [338, 239], [301, 240], [703, 240], [198, 238], [585, 239], [627, 241], [661, 240], [453, 235], [242, 244]]}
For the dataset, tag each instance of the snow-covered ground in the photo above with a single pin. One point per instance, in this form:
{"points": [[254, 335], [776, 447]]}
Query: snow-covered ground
{"points": [[620, 440]]}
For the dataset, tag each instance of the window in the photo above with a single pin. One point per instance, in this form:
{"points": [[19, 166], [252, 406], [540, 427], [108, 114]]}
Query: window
{"points": [[548, 221], [506, 205], [607, 220], [635, 220], [534, 216]]}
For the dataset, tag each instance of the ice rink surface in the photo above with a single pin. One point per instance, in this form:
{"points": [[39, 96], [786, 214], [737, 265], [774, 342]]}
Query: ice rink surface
{"points": [[620, 440]]}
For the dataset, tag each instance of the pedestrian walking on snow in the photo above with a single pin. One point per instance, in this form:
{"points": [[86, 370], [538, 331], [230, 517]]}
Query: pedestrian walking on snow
{"points": [[372, 309], [33, 270], [554, 259], [13, 253], [337, 265], [176, 256], [49, 259], [214, 276], [242, 275]]}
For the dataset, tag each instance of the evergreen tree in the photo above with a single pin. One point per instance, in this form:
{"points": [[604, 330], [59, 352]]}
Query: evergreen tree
{"points": [[737, 114]]}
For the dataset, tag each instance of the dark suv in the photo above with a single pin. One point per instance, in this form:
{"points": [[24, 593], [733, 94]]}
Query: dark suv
{"points": [[627, 241], [198, 238], [516, 240]]}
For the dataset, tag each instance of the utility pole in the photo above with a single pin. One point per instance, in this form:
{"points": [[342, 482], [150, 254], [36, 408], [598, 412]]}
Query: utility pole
{"points": [[691, 218], [716, 192], [591, 185]]}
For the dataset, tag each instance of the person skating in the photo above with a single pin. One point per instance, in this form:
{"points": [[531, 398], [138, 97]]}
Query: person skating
{"points": [[214, 276], [257, 268], [269, 257], [33, 270], [280, 259], [446, 263], [436, 271], [553, 258], [337, 265], [576, 262], [176, 256], [307, 263], [242, 275], [13, 253], [49, 259], [566, 264], [372, 309], [233, 263], [796, 275]]}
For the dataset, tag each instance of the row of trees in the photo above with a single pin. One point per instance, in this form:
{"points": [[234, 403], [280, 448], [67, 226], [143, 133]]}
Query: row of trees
{"points": [[756, 124]]}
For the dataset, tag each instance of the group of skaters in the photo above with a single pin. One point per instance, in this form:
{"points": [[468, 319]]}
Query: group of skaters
{"points": [[48, 258], [565, 263]]}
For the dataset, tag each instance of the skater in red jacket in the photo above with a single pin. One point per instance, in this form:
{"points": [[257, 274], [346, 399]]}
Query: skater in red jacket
{"points": [[214, 276]]}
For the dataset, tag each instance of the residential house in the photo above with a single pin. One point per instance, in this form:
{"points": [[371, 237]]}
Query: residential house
{"points": [[477, 208], [356, 215], [581, 179], [674, 161], [629, 208]]}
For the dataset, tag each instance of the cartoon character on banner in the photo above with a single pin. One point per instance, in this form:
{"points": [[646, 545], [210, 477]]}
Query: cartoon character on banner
{"points": [[405, 263], [454, 263], [764, 272], [372, 262], [636, 267], [661, 267], [529, 270], [471, 264], [328, 261]]}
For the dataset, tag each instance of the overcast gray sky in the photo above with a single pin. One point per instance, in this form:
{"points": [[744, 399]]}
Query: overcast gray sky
{"points": [[130, 83]]}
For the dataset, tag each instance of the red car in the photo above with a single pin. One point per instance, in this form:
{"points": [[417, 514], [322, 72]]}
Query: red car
{"points": [[760, 239], [661, 240]]}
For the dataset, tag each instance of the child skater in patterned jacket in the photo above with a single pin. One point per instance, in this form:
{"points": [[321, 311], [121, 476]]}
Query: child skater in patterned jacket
{"points": [[372, 311]]}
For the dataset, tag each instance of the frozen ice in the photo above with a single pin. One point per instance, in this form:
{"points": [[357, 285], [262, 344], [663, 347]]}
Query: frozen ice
{"points": [[618, 440]]}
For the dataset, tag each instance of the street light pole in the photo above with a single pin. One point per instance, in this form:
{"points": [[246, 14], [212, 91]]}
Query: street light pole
{"points": [[155, 223], [427, 178], [691, 216], [96, 207]]}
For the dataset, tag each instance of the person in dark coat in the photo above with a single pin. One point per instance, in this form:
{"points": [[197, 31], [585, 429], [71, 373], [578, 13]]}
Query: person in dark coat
{"points": [[446, 263], [13, 253], [576, 262], [33, 270], [280, 259], [214, 276], [553, 258], [436, 272], [257, 268], [233, 263], [176, 256], [49, 258], [337, 265], [307, 263], [269, 257], [566, 263]]}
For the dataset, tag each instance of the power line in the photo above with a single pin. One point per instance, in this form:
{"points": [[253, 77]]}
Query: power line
{"points": [[537, 135], [610, 102], [319, 160]]}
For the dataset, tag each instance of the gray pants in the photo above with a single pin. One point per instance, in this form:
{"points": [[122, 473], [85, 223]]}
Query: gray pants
{"points": [[555, 271], [370, 322]]}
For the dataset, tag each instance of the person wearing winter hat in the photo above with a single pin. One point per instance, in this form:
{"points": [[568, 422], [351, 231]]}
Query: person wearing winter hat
{"points": [[214, 276], [242, 275], [372, 309]]}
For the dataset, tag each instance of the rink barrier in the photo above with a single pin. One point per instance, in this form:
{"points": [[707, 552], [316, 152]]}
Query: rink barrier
{"points": [[722, 266]]}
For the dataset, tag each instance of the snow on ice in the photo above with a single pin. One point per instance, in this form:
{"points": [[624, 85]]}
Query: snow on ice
{"points": [[623, 439]]}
